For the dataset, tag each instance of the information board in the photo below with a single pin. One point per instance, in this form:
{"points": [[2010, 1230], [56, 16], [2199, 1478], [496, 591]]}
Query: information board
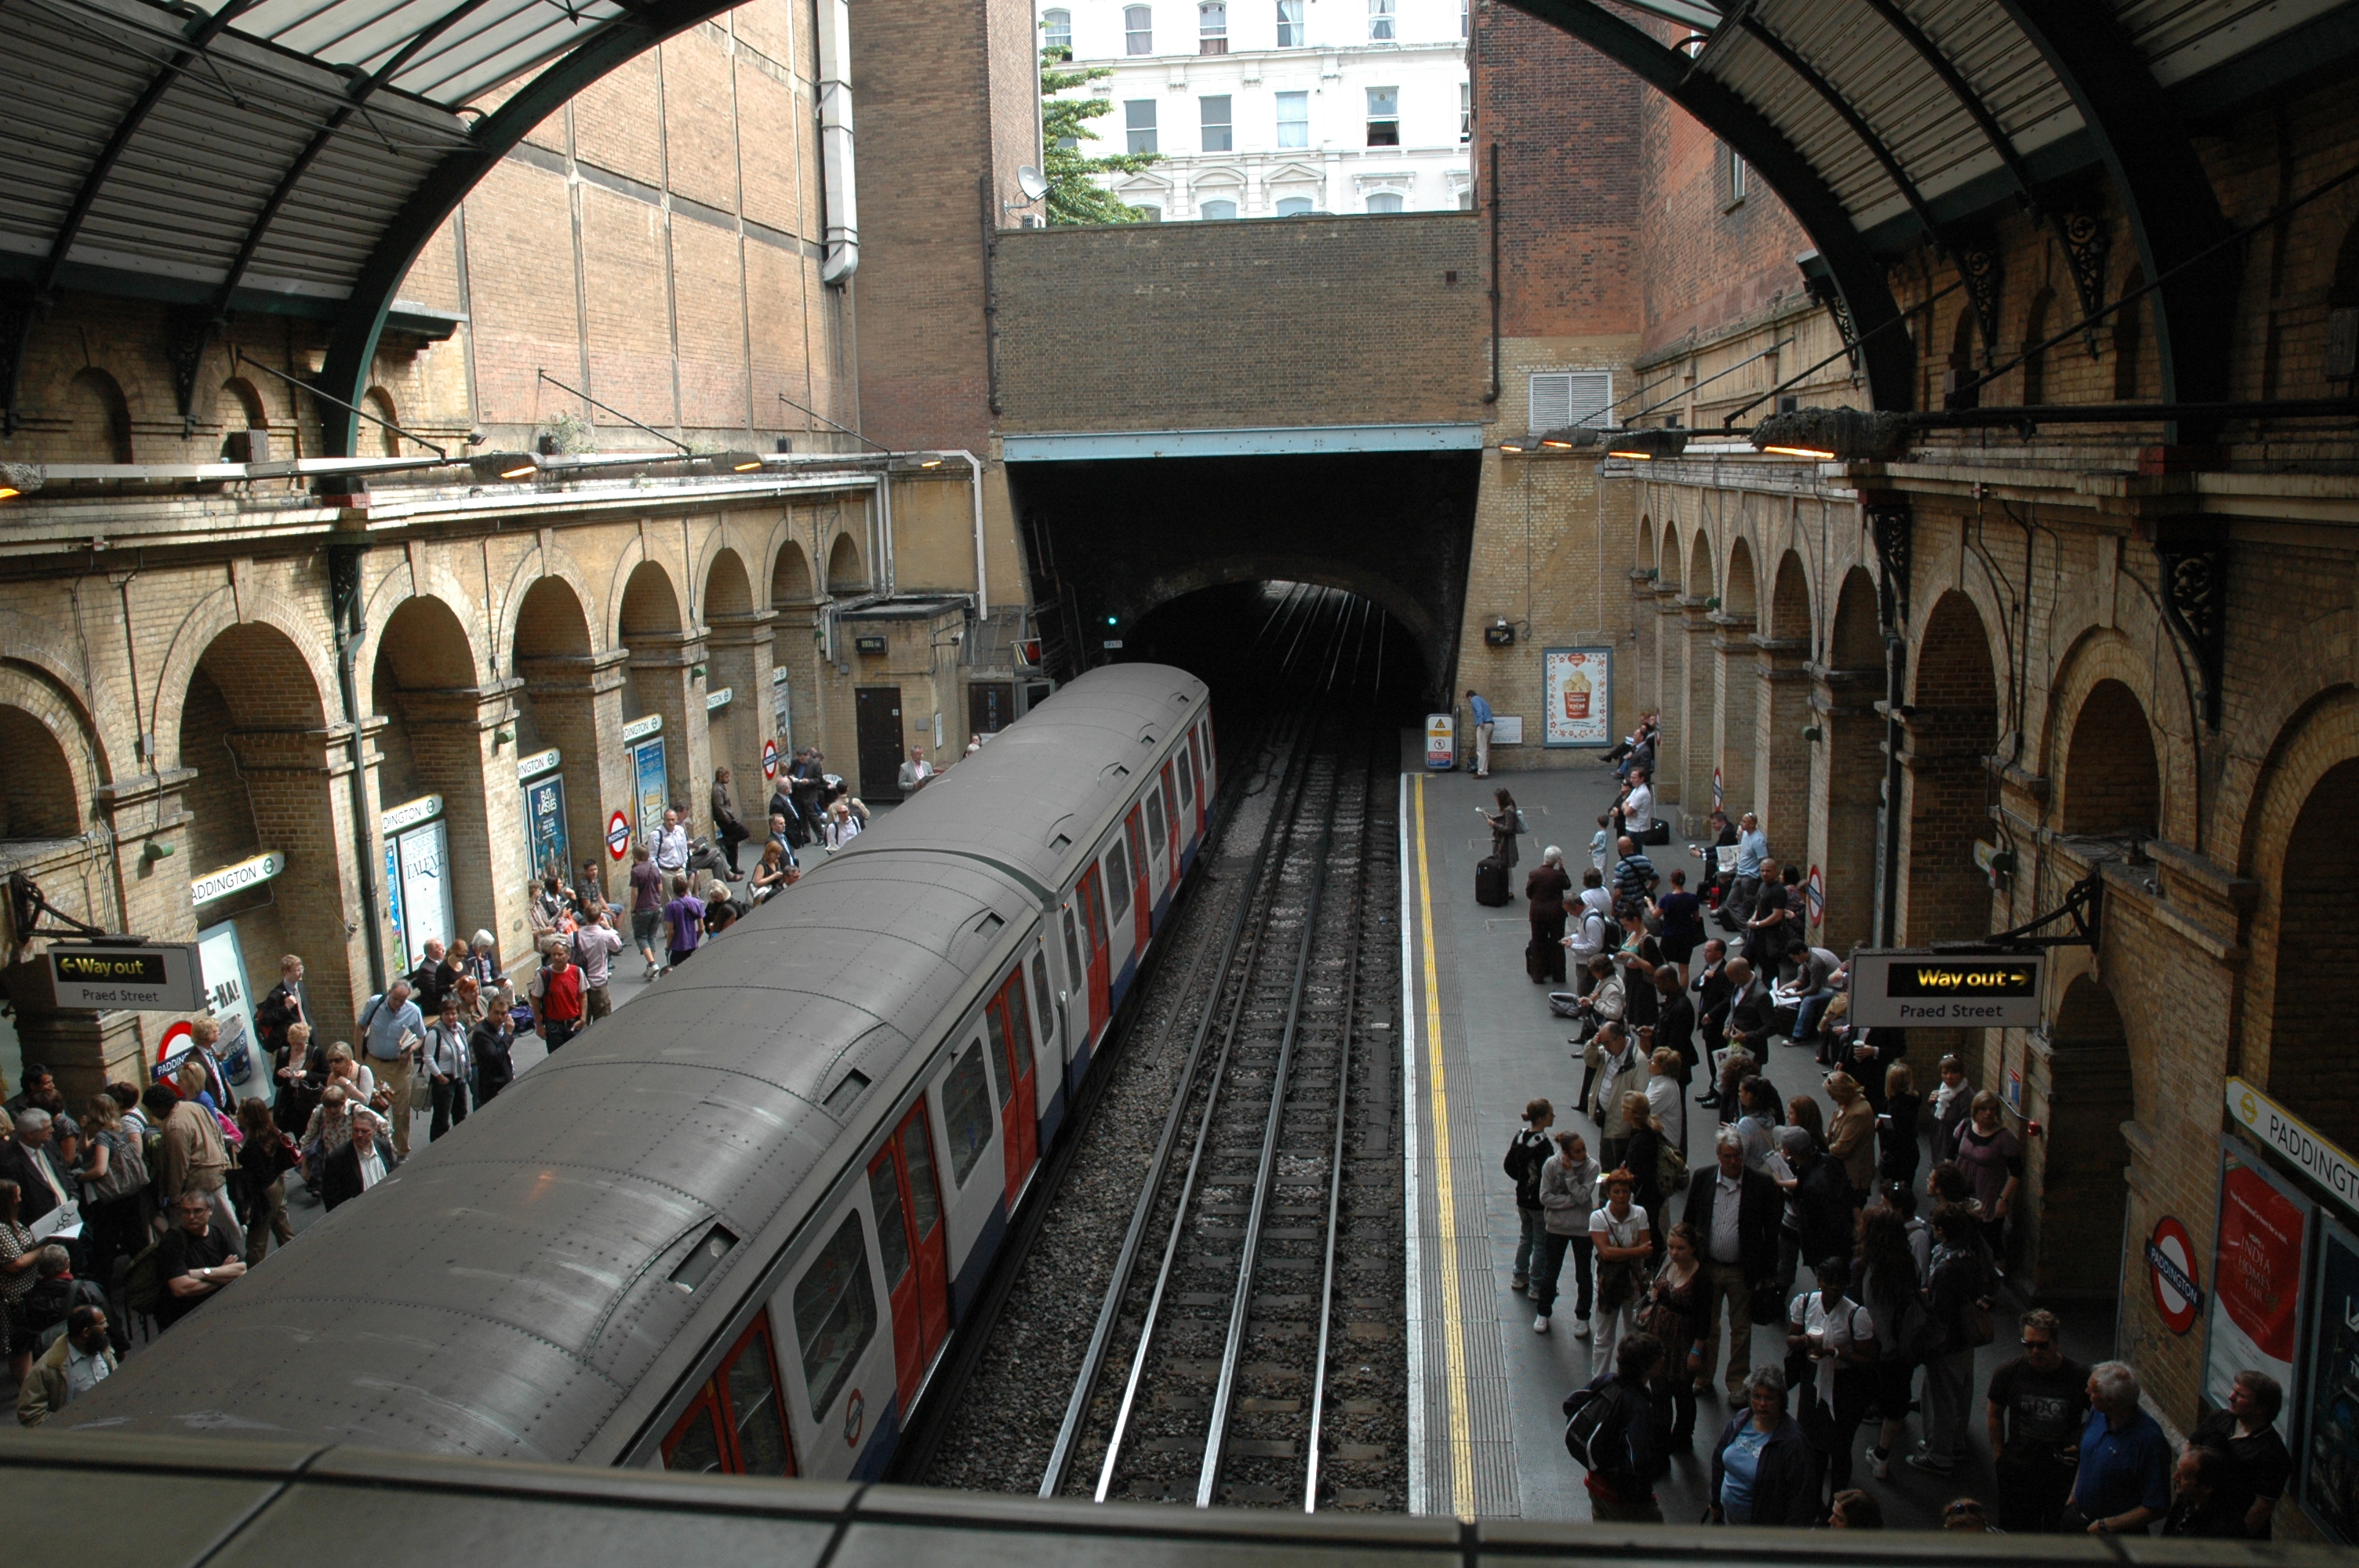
{"points": [[651, 793], [2327, 1461], [1577, 697], [1901, 987]]}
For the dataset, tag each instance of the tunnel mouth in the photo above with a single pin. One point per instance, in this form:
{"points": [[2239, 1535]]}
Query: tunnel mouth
{"points": [[1275, 642]]}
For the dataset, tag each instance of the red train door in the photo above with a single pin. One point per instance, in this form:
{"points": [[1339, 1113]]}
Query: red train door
{"points": [[1142, 899], [738, 1422], [1011, 1024], [915, 1252], [1171, 817], [1094, 914]]}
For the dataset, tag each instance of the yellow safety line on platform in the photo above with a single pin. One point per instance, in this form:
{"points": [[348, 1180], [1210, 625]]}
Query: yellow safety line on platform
{"points": [[1453, 1317]]}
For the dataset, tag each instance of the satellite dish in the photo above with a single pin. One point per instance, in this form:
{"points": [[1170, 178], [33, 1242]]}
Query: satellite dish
{"points": [[1031, 182]]}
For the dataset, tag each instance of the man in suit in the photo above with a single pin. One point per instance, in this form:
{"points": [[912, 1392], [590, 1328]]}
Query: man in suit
{"points": [[28, 1158], [359, 1165], [1712, 990], [1675, 1020], [1735, 1211], [1750, 1011]]}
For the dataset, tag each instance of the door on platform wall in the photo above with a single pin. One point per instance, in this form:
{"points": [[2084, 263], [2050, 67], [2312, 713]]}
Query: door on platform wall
{"points": [[877, 712], [221, 961], [990, 707], [2084, 1197]]}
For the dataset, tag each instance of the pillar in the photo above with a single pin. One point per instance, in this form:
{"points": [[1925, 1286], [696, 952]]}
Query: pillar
{"points": [[1669, 645], [667, 674], [1647, 682], [454, 735], [1845, 790], [1736, 705], [1781, 755], [741, 659], [577, 699], [1698, 711], [301, 785]]}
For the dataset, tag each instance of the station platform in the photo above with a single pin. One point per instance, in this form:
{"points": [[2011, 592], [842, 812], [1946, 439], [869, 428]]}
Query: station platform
{"points": [[1486, 1423]]}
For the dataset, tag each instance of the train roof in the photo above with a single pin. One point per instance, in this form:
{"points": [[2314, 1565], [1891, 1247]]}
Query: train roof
{"points": [[1061, 771]]}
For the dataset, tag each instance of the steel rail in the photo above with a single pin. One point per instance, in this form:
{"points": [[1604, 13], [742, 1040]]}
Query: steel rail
{"points": [[1217, 1430], [1252, 956], [1061, 1457]]}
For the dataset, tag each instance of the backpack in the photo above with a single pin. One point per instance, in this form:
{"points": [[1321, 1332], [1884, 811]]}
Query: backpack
{"points": [[1584, 945], [143, 1288], [1595, 1423], [1670, 1166]]}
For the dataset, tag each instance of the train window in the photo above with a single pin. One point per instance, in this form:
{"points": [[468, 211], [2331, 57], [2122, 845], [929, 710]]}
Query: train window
{"points": [[924, 1195], [1155, 821], [1019, 1013], [1040, 986], [994, 1029], [1072, 947], [1094, 907], [695, 1443], [1171, 796], [966, 1112], [835, 1313], [752, 1382], [1117, 876], [892, 1237], [1187, 775]]}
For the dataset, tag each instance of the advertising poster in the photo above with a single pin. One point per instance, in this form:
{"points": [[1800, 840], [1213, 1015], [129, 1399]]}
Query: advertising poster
{"points": [[2327, 1464], [222, 962], [1579, 695], [649, 789], [425, 884], [544, 822], [2256, 1283]]}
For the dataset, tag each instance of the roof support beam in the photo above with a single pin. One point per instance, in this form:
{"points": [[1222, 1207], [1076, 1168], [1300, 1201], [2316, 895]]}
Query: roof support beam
{"points": [[2174, 213], [1889, 359], [351, 344]]}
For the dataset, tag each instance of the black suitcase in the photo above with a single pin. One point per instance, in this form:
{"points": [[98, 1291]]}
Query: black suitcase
{"points": [[1491, 881]]}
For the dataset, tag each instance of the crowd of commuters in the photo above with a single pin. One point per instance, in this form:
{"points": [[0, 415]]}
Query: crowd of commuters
{"points": [[1673, 1271], [133, 1210]]}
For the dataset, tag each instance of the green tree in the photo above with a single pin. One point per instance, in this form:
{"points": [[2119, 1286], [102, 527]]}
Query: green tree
{"points": [[1074, 196]]}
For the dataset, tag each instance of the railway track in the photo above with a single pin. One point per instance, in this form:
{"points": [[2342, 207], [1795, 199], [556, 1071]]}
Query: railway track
{"points": [[1209, 1310]]}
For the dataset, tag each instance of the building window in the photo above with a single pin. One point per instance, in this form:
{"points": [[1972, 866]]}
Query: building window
{"points": [[1380, 20], [1383, 116], [1147, 213], [1218, 211], [1294, 119], [1739, 176], [1212, 27], [1138, 124], [1385, 201], [1294, 206], [1056, 30], [1138, 29], [1465, 110], [1289, 24], [1465, 18], [1562, 397], [1215, 120]]}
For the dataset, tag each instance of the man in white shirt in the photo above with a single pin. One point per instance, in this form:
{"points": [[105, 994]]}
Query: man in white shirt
{"points": [[595, 946], [671, 846], [358, 1165], [1638, 806]]}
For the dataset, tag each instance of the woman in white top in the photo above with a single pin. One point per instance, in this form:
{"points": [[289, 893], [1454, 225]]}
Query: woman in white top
{"points": [[1623, 1246], [1663, 1096]]}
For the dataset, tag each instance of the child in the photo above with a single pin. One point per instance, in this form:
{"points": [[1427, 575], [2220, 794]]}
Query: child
{"points": [[1601, 843]]}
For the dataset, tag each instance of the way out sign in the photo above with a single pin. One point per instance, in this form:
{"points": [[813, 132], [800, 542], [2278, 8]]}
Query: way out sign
{"points": [[1900, 988], [618, 836], [153, 976]]}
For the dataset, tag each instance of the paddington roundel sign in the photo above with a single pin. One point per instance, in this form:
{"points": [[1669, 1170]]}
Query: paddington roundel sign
{"points": [[2170, 1266], [855, 1416], [769, 759], [179, 1041], [618, 836]]}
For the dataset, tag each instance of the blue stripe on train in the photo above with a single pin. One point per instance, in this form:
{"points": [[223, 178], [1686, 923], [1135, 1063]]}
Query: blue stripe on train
{"points": [[870, 1466], [978, 1257]]}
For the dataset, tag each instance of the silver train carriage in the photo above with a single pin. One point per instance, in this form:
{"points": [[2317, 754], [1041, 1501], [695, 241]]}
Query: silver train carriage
{"points": [[732, 1226]]}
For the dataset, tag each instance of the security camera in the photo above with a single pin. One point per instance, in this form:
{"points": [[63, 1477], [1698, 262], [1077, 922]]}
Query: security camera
{"points": [[957, 637]]}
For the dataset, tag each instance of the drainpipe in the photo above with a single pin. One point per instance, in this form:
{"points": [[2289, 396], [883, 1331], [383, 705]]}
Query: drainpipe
{"points": [[344, 612], [982, 585], [883, 544], [841, 211]]}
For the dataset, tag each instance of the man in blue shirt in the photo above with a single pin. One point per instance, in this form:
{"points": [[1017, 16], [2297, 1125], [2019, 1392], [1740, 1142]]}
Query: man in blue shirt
{"points": [[1481, 712], [2124, 1483], [1752, 849], [391, 1030]]}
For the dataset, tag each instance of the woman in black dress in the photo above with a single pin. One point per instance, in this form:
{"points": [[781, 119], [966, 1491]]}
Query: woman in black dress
{"points": [[1546, 887]]}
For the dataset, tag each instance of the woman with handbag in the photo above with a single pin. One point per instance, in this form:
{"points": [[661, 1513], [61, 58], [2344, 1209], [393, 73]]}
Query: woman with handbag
{"points": [[263, 1161], [1675, 1304], [1831, 1354], [1546, 889], [1506, 824], [1568, 1182]]}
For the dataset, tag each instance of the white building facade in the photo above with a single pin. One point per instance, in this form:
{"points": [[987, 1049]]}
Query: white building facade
{"points": [[1274, 108]]}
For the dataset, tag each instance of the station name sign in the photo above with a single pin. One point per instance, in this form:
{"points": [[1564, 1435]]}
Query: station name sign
{"points": [[151, 977], [1922, 988]]}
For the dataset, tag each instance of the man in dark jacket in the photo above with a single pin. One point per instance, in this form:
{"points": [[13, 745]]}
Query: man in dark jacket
{"points": [[358, 1165], [1631, 1448], [1736, 1212], [1712, 991], [1749, 1009], [1675, 1021], [1526, 1155]]}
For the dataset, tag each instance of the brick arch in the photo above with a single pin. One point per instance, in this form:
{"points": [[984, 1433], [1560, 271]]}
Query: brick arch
{"points": [[1955, 722], [1855, 636], [384, 601], [1740, 592], [551, 563], [723, 538], [1670, 558], [1973, 589], [1649, 545], [551, 619], [635, 558], [1791, 613], [2300, 849], [2097, 657], [728, 591], [789, 570], [1701, 573], [425, 643], [2313, 670], [100, 416], [212, 616], [840, 549], [55, 762]]}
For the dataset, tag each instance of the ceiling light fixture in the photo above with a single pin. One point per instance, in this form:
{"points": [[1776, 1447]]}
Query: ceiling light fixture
{"points": [[1645, 445], [1834, 435], [1517, 444]]}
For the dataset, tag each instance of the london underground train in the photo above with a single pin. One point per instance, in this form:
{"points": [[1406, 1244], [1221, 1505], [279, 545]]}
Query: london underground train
{"points": [[732, 1226]]}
